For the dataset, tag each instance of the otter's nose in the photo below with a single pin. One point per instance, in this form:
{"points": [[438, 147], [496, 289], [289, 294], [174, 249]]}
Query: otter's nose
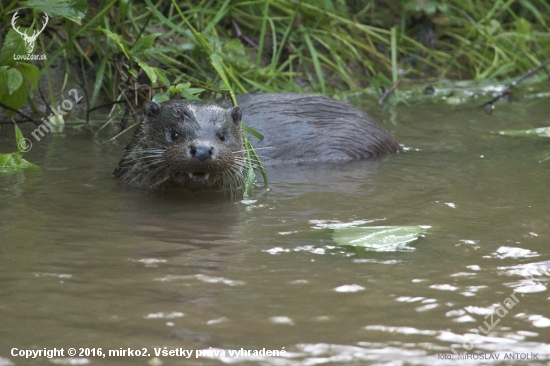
{"points": [[201, 152]]}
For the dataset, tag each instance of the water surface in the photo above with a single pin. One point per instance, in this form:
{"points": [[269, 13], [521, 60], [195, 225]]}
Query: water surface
{"points": [[88, 263]]}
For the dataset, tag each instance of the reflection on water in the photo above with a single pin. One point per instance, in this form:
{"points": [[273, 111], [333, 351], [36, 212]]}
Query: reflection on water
{"points": [[86, 262]]}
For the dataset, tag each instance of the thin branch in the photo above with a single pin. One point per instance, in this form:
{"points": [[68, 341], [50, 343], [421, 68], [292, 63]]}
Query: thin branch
{"points": [[389, 91], [217, 91], [145, 24], [101, 106], [240, 35], [123, 132], [44, 100], [515, 83], [29, 119], [11, 122]]}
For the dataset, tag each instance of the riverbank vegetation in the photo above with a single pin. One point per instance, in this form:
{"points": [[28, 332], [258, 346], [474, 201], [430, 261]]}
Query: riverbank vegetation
{"points": [[119, 50]]}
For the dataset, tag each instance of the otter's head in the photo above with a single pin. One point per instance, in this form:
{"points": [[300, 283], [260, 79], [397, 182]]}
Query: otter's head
{"points": [[188, 144]]}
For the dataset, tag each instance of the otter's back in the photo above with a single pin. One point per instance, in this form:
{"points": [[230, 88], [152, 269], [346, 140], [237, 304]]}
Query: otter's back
{"points": [[304, 127]]}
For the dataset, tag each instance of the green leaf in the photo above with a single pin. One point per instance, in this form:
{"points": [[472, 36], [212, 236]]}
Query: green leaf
{"points": [[100, 75], [523, 26], [248, 186], [252, 131], [117, 38], [14, 163], [148, 70], [219, 16], [15, 79], [182, 86], [29, 72], [13, 45], [217, 62], [74, 10], [249, 183], [315, 58], [3, 80], [234, 52], [133, 72], [19, 139], [16, 99], [161, 75], [195, 90], [161, 97], [378, 238], [533, 9], [144, 43], [255, 159], [540, 132], [191, 93], [186, 92]]}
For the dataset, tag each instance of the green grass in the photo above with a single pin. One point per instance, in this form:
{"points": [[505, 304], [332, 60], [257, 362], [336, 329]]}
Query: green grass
{"points": [[312, 46]]}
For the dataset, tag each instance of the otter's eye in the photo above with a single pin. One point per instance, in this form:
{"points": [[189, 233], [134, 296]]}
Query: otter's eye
{"points": [[174, 136], [221, 136]]}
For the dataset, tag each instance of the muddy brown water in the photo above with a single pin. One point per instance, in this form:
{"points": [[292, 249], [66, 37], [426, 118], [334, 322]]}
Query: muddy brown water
{"points": [[86, 263]]}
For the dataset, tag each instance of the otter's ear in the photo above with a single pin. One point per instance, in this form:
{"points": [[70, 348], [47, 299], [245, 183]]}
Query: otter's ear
{"points": [[237, 115], [152, 109]]}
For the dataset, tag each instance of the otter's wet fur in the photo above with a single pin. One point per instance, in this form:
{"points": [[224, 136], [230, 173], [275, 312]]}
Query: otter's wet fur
{"points": [[198, 145]]}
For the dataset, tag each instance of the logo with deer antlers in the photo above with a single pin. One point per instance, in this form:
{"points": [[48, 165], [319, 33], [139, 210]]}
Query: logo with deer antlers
{"points": [[29, 40]]}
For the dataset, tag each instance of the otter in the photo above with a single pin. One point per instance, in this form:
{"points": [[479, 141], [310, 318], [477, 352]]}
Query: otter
{"points": [[198, 145]]}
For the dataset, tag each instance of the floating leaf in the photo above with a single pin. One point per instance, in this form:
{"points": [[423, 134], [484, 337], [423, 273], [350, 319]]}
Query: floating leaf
{"points": [[74, 10], [540, 132], [378, 238]]}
